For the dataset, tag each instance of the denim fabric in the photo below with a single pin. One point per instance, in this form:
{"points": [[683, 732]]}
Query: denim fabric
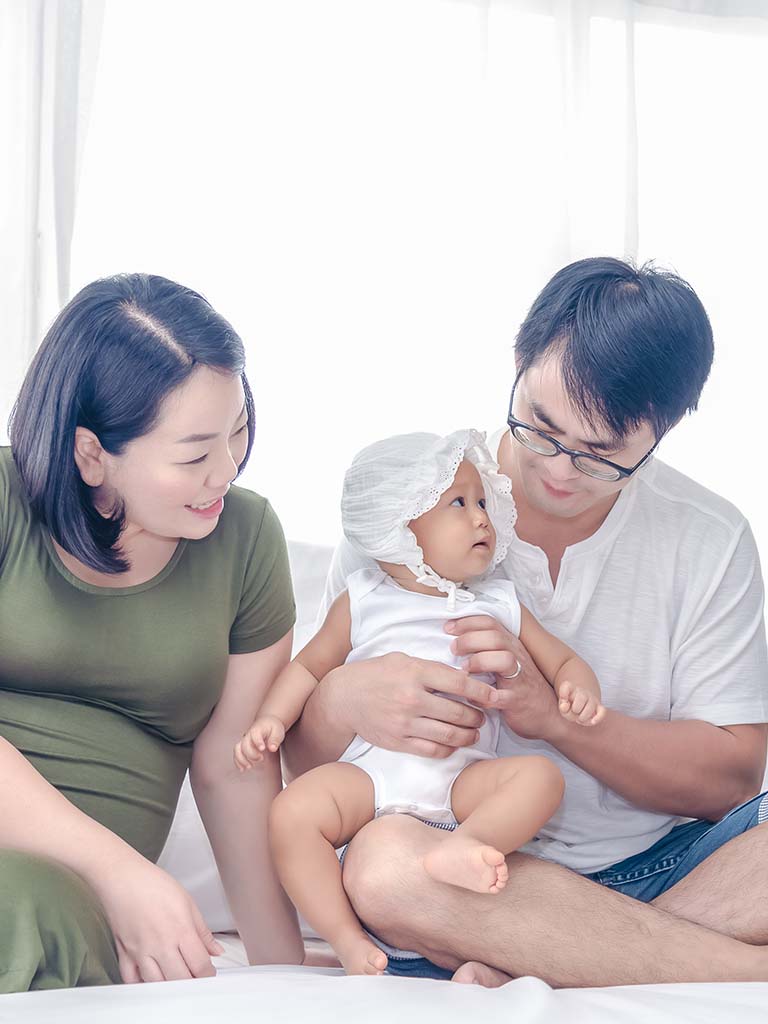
{"points": [[648, 874], [645, 875]]}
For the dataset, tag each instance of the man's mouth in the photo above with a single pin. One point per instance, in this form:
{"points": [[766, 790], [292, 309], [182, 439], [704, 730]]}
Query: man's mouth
{"points": [[556, 492]]}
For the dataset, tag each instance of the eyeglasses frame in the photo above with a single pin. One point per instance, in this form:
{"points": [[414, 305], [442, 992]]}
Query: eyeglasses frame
{"points": [[623, 471]]}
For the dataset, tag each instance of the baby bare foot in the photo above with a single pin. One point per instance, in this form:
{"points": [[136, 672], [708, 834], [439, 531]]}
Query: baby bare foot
{"points": [[475, 973], [468, 863], [361, 956]]}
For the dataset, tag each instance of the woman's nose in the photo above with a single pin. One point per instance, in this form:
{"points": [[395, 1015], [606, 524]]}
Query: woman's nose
{"points": [[223, 470]]}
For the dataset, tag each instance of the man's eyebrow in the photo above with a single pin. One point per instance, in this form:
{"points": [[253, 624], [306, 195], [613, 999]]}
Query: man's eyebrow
{"points": [[196, 438], [540, 414]]}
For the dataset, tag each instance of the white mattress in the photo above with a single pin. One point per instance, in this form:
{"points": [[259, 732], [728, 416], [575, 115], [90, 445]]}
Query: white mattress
{"points": [[277, 994]]}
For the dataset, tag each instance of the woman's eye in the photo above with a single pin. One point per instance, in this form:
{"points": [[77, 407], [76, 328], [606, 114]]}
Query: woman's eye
{"points": [[459, 502], [194, 462]]}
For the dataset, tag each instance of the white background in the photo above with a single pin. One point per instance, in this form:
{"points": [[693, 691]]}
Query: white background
{"points": [[374, 192]]}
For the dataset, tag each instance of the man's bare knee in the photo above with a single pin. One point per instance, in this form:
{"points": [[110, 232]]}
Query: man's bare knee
{"points": [[382, 869]]}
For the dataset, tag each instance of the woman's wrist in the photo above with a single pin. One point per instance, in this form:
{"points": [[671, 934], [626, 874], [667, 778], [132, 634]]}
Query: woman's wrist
{"points": [[107, 860]]}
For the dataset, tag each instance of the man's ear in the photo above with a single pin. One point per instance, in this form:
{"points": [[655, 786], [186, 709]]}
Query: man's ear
{"points": [[90, 457]]}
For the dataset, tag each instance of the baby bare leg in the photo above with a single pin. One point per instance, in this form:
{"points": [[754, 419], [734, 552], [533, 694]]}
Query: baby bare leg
{"points": [[500, 804], [309, 820]]}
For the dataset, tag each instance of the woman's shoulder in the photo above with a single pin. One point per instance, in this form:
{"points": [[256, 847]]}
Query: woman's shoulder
{"points": [[12, 496], [246, 515], [16, 517], [248, 534], [8, 474]]}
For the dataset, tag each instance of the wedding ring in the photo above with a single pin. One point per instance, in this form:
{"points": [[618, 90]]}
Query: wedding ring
{"points": [[517, 671]]}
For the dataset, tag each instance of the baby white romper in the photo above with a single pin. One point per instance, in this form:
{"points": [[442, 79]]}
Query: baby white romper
{"points": [[385, 619]]}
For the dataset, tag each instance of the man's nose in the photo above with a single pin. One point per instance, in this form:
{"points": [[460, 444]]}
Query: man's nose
{"points": [[560, 467]]}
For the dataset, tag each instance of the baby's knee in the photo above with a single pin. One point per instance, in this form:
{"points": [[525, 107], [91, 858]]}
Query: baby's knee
{"points": [[287, 814], [549, 775]]}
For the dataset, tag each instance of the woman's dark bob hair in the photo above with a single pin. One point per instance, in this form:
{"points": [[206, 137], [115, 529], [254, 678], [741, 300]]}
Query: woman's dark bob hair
{"points": [[115, 351]]}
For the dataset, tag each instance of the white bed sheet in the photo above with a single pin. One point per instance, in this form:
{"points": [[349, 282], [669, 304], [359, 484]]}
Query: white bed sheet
{"points": [[277, 994]]}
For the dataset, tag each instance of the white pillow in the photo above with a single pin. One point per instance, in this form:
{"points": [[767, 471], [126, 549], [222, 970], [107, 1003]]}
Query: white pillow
{"points": [[187, 854]]}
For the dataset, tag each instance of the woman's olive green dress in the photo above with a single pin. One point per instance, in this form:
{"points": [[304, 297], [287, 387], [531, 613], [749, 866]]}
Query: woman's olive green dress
{"points": [[104, 691]]}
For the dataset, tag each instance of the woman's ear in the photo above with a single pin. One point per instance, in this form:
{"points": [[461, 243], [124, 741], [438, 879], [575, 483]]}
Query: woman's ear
{"points": [[90, 457]]}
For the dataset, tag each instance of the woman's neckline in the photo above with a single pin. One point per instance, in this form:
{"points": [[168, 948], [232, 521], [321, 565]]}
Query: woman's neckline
{"points": [[106, 591]]}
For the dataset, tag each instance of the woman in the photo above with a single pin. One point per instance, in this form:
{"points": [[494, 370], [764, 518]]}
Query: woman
{"points": [[145, 609]]}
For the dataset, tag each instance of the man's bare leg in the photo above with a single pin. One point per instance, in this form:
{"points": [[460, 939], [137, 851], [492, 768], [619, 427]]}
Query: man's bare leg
{"points": [[548, 921], [727, 892]]}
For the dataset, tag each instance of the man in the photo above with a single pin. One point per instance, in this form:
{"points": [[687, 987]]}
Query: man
{"points": [[656, 583]]}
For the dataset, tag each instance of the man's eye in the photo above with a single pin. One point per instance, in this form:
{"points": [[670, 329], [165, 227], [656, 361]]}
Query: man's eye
{"points": [[458, 502]]}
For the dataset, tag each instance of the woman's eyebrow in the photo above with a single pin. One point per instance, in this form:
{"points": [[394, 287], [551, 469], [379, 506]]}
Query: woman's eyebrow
{"points": [[196, 438], [540, 414]]}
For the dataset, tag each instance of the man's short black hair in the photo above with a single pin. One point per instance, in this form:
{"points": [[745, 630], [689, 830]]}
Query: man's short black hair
{"points": [[112, 355], [635, 344]]}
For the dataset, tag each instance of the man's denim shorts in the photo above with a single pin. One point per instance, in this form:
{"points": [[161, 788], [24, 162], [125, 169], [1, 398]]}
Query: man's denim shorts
{"points": [[645, 875]]}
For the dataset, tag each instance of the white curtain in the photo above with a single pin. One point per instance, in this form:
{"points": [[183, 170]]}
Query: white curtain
{"points": [[47, 62], [374, 190]]}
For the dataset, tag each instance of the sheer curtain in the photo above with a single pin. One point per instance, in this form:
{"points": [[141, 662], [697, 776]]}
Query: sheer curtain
{"points": [[374, 190], [47, 61]]}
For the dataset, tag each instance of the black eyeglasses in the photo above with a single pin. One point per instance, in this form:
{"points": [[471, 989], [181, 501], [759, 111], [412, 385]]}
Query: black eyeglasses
{"points": [[591, 465]]}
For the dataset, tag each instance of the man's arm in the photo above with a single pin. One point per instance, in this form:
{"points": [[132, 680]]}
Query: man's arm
{"points": [[693, 769]]}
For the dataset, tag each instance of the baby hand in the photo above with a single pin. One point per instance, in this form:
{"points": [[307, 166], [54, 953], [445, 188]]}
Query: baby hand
{"points": [[577, 705], [266, 733]]}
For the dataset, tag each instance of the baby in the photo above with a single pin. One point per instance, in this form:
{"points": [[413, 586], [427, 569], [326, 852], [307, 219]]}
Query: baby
{"points": [[436, 517]]}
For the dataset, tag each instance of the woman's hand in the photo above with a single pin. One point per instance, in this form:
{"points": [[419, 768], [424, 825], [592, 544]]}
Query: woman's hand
{"points": [[394, 702], [158, 931], [525, 698]]}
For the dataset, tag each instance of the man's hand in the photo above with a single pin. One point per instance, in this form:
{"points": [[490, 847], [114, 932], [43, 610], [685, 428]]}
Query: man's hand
{"points": [[527, 701], [395, 702]]}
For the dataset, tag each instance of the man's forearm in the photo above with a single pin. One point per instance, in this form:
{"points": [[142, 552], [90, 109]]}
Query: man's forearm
{"points": [[690, 768], [320, 735]]}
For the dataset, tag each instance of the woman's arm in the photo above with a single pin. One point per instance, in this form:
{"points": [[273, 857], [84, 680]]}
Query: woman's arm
{"points": [[235, 808], [157, 928]]}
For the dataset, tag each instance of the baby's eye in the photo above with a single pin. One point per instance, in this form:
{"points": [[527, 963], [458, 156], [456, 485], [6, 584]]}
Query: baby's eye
{"points": [[459, 502], [481, 503]]}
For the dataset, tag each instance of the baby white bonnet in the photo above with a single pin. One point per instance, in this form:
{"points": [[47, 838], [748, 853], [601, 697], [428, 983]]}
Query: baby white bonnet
{"points": [[400, 478]]}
